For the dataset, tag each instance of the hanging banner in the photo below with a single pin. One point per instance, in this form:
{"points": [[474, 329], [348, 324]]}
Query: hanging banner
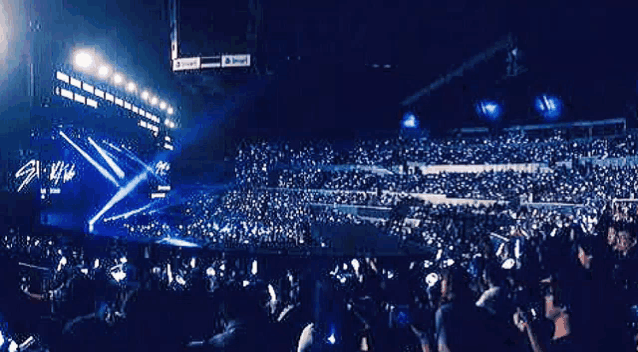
{"points": [[185, 64], [236, 60]]}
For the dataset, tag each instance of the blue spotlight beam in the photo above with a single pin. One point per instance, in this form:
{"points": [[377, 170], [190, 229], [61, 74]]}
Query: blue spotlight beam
{"points": [[130, 213], [86, 156], [118, 171], [178, 242], [114, 147], [146, 167], [121, 194]]}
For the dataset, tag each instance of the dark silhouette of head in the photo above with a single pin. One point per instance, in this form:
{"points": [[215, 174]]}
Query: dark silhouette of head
{"points": [[455, 286]]}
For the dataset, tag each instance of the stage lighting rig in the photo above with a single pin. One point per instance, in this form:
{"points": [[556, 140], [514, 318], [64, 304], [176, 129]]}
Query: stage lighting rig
{"points": [[87, 60]]}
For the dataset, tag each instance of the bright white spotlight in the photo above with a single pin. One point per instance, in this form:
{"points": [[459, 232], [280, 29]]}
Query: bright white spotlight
{"points": [[170, 111], [118, 79], [154, 101], [130, 87], [145, 95], [104, 71], [83, 60], [163, 105]]}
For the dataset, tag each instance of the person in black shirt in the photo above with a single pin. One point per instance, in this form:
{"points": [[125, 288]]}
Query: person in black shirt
{"points": [[247, 325], [460, 325]]}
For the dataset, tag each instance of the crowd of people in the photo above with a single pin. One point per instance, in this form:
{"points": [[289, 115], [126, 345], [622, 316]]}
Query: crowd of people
{"points": [[540, 259], [560, 281], [284, 190]]}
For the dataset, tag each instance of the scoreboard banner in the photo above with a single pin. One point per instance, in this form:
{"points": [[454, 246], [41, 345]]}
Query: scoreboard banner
{"points": [[236, 60]]}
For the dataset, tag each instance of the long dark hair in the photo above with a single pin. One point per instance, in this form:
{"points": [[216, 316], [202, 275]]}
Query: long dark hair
{"points": [[457, 286]]}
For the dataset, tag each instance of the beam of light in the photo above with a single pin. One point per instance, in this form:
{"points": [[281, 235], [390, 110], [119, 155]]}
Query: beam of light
{"points": [[114, 147], [128, 214], [146, 167], [178, 242], [31, 170], [121, 194], [86, 156], [118, 171]]}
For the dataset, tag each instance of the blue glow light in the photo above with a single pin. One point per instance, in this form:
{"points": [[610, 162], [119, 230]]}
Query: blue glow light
{"points": [[489, 109], [178, 242], [410, 120], [128, 214], [548, 106], [121, 194], [118, 171], [86, 156]]}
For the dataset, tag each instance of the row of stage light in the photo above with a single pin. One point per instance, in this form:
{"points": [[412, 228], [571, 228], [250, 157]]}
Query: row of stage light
{"points": [[108, 97], [85, 61], [549, 107]]}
